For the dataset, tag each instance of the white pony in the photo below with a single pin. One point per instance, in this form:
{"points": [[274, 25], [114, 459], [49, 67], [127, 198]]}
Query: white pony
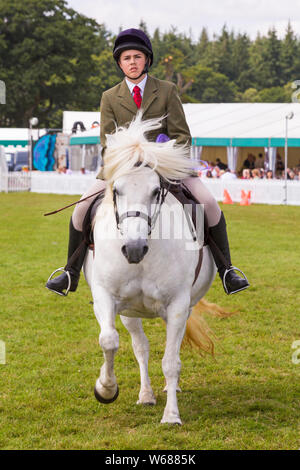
{"points": [[137, 270]]}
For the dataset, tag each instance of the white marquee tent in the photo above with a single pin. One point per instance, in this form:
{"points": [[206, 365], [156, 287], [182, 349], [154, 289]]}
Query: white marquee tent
{"points": [[218, 128]]}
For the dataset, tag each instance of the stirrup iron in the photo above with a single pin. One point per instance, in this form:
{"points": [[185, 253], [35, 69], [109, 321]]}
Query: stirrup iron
{"points": [[234, 268], [69, 281]]}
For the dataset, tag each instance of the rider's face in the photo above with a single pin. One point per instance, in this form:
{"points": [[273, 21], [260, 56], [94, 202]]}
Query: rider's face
{"points": [[132, 63]]}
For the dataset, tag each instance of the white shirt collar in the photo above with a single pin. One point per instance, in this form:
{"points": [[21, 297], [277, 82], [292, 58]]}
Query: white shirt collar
{"points": [[141, 85]]}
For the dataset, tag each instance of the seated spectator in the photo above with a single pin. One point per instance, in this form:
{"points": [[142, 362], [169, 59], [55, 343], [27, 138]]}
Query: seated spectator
{"points": [[260, 161], [228, 175], [269, 175], [256, 174], [221, 165], [290, 174], [209, 174], [246, 174], [216, 172]]}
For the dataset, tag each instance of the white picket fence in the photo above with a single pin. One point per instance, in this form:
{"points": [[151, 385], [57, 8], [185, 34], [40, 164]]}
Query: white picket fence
{"points": [[15, 181], [12, 181]]}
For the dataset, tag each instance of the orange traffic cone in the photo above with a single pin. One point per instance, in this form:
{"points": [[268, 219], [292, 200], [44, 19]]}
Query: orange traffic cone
{"points": [[227, 199], [245, 198]]}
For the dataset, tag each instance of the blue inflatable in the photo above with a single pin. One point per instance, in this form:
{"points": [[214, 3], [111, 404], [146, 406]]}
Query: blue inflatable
{"points": [[43, 151]]}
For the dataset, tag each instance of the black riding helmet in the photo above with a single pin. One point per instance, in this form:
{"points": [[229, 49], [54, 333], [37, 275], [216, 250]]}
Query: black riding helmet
{"points": [[133, 39]]}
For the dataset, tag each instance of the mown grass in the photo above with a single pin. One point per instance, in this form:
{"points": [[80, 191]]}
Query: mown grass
{"points": [[247, 398]]}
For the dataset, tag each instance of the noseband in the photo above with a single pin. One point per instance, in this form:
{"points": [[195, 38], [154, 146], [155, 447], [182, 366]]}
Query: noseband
{"points": [[161, 196]]}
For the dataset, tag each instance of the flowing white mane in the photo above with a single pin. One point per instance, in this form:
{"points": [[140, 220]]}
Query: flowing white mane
{"points": [[128, 147]]}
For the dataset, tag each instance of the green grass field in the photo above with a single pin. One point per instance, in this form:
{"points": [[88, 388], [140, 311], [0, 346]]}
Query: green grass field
{"points": [[248, 397]]}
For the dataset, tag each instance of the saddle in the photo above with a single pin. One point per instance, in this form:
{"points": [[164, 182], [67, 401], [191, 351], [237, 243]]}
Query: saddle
{"points": [[87, 230]]}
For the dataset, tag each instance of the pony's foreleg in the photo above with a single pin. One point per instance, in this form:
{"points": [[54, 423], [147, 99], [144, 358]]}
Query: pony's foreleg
{"points": [[140, 347], [106, 388], [177, 315]]}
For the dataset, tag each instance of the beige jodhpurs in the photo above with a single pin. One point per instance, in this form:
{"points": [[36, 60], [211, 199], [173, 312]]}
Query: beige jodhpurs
{"points": [[194, 184]]}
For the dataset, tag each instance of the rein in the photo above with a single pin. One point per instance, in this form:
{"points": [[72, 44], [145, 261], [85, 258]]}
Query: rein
{"points": [[73, 204]]}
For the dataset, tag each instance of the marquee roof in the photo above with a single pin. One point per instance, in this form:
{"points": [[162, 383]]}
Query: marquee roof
{"points": [[211, 124]]}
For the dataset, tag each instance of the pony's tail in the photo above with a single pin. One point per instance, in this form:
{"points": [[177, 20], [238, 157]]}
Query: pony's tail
{"points": [[198, 334]]}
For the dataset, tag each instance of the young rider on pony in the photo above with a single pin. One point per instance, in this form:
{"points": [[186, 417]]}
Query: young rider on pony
{"points": [[119, 105]]}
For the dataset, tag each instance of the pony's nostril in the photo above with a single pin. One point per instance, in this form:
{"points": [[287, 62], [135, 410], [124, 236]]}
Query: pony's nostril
{"points": [[145, 250]]}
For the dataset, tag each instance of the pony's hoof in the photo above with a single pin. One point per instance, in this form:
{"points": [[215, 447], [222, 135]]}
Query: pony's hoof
{"points": [[146, 399], [105, 401], [171, 420]]}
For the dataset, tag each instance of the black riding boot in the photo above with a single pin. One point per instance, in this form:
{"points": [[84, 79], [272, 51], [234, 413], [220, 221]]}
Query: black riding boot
{"points": [[218, 242], [61, 283]]}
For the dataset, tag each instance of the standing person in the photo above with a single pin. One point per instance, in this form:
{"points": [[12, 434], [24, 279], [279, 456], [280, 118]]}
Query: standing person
{"points": [[119, 105]]}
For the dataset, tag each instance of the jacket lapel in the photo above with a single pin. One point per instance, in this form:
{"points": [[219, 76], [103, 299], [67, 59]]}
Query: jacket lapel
{"points": [[150, 93], [125, 98]]}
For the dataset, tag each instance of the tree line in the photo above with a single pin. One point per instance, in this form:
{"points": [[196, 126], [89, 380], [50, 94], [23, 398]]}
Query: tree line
{"points": [[52, 59]]}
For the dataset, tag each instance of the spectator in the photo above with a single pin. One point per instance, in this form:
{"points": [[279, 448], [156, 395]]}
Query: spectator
{"points": [[291, 175], [260, 161], [216, 172], [249, 163], [228, 175], [256, 174], [279, 163], [269, 175], [221, 165], [246, 174]]}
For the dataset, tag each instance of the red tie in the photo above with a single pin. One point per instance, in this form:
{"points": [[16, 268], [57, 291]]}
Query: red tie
{"points": [[137, 96]]}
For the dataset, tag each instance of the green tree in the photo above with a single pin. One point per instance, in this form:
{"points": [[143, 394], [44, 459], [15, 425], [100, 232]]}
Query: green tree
{"points": [[290, 63], [276, 94], [45, 60], [271, 55], [250, 96], [107, 74], [209, 86], [257, 67], [240, 61]]}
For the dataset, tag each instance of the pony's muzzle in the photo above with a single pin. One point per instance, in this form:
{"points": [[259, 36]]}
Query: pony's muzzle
{"points": [[134, 251]]}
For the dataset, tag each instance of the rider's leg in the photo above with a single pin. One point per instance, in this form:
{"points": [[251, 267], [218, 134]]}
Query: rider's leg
{"points": [[217, 230], [60, 283]]}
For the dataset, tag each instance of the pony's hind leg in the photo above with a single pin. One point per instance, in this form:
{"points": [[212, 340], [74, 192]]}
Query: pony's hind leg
{"points": [[106, 388], [140, 347]]}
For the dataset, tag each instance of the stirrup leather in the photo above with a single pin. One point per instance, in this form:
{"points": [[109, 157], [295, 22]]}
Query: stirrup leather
{"points": [[234, 268], [69, 281]]}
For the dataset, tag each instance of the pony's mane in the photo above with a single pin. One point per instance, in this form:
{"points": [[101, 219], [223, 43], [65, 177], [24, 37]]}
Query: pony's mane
{"points": [[129, 150]]}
